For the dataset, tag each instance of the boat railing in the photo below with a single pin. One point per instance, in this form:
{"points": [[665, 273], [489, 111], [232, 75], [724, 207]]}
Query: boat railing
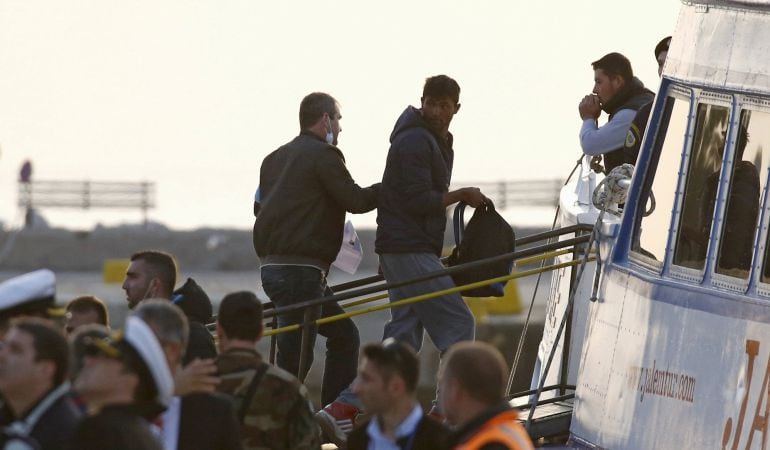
{"points": [[373, 289]]}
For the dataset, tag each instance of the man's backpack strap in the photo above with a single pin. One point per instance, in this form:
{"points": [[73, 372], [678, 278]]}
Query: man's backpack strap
{"points": [[258, 374]]}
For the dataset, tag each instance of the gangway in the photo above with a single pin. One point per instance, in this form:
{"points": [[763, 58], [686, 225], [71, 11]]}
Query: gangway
{"points": [[551, 416]]}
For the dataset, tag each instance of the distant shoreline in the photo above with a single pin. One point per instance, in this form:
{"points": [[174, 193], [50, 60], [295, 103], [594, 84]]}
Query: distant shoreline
{"points": [[202, 249]]}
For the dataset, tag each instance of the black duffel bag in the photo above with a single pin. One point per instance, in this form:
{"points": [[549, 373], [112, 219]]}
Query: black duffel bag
{"points": [[486, 235]]}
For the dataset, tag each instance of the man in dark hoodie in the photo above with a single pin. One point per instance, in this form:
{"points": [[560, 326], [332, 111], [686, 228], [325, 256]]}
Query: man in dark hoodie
{"points": [[411, 218], [618, 93], [304, 192]]}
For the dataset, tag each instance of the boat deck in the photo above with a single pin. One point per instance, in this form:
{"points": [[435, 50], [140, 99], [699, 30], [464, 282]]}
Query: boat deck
{"points": [[550, 419]]}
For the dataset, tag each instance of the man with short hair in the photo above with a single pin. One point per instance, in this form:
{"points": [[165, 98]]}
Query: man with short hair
{"points": [[472, 388], [152, 274], [618, 93], [195, 421], [85, 310], [125, 381], [386, 385], [304, 192], [273, 406], [411, 219], [37, 408]]}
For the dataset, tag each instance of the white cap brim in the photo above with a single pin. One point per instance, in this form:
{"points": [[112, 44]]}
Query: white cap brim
{"points": [[142, 338]]}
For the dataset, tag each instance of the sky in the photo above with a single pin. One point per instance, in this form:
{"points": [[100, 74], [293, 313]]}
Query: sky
{"points": [[193, 94]]}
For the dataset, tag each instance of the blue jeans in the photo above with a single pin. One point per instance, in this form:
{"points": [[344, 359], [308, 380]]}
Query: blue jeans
{"points": [[446, 319], [287, 285]]}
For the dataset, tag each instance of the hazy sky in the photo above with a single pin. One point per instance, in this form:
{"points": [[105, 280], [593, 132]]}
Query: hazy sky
{"points": [[192, 94]]}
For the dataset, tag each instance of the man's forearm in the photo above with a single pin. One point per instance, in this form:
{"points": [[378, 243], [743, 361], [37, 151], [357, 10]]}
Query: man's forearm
{"points": [[452, 197]]}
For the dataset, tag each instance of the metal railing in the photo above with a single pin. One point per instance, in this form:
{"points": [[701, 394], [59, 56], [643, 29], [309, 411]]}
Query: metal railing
{"points": [[521, 192], [364, 287], [87, 194]]}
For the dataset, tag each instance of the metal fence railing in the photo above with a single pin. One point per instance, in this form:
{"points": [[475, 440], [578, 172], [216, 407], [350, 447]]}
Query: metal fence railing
{"points": [[521, 192], [87, 194]]}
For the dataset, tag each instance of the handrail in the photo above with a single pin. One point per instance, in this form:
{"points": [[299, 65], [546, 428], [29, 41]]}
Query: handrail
{"points": [[423, 297], [439, 273], [518, 262], [519, 242], [551, 387]]}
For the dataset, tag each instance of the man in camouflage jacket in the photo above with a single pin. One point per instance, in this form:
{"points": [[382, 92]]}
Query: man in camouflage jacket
{"points": [[272, 405]]}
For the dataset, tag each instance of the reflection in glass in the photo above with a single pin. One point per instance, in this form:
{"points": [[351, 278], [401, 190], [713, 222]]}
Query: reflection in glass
{"points": [[740, 224], [698, 205], [652, 226]]}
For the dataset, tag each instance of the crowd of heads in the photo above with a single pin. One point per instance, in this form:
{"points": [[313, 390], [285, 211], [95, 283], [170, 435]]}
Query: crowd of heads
{"points": [[138, 363]]}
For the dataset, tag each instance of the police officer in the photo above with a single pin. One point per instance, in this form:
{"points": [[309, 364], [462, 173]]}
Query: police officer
{"points": [[125, 382], [30, 294]]}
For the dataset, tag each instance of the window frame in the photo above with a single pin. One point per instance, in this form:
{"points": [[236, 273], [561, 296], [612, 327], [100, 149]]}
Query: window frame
{"points": [[756, 285], [678, 93], [753, 285], [699, 276]]}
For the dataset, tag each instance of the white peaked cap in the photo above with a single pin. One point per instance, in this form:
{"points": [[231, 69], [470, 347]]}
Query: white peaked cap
{"points": [[141, 337], [27, 288]]}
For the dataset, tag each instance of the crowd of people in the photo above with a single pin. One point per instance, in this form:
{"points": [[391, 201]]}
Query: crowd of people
{"points": [[165, 381], [69, 381]]}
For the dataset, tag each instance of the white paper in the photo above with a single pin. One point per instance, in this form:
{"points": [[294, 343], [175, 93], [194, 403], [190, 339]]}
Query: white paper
{"points": [[351, 251]]}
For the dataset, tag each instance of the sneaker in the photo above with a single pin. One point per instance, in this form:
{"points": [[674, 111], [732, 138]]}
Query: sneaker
{"points": [[435, 414], [336, 420]]}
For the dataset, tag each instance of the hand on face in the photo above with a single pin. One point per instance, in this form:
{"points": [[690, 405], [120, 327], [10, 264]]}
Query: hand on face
{"points": [[590, 107]]}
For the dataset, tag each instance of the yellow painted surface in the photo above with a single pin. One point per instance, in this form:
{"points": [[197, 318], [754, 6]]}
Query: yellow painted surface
{"points": [[509, 303], [114, 270]]}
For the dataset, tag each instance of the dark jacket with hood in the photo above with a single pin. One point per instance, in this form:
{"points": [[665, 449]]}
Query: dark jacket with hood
{"points": [[305, 191], [411, 215], [632, 96], [196, 305]]}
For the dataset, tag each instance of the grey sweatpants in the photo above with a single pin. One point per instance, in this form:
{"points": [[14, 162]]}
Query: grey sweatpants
{"points": [[447, 319]]}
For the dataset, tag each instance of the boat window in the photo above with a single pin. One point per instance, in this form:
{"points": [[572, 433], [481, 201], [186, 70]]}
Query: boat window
{"points": [[657, 201], [757, 142], [705, 164], [740, 225]]}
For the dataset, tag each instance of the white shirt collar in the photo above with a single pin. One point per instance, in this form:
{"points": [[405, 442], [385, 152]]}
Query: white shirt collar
{"points": [[378, 441], [169, 434]]}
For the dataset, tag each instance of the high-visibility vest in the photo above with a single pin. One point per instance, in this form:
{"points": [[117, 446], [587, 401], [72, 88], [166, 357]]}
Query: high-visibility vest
{"points": [[504, 428]]}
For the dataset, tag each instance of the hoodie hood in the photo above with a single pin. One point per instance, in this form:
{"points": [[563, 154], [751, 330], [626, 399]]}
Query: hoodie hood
{"points": [[194, 302], [410, 118]]}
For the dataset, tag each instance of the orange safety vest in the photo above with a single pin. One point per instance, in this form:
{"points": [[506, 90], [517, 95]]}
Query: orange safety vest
{"points": [[504, 428]]}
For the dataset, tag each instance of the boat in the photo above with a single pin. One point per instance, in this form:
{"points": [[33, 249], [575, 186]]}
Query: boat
{"points": [[664, 342]]}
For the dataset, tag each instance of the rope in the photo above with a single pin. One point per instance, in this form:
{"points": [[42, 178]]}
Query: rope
{"points": [[606, 196], [610, 192]]}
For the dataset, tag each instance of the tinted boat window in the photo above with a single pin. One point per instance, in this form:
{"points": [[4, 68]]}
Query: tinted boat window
{"points": [[651, 231], [757, 126], [700, 189], [740, 225]]}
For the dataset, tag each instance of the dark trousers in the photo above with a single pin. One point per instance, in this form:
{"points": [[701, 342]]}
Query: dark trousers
{"points": [[287, 285]]}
